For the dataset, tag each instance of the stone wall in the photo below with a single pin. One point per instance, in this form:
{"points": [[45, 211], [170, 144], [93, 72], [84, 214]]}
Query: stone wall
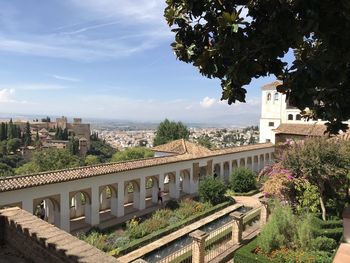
{"points": [[38, 241]]}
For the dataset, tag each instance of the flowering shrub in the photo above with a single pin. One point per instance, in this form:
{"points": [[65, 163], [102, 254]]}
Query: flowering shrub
{"points": [[280, 182]]}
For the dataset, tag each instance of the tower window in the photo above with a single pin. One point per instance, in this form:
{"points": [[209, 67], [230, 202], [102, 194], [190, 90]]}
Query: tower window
{"points": [[268, 96], [290, 117], [275, 96], [271, 124], [298, 117]]}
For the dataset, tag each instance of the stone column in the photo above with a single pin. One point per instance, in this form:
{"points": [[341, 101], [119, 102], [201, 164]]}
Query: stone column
{"points": [[95, 206], [120, 199], [264, 211], [27, 205], [161, 182], [346, 225], [198, 246], [142, 194], [65, 211], [237, 227]]}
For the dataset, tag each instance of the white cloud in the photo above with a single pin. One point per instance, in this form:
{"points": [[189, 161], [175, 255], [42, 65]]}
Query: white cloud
{"points": [[136, 11], [207, 102], [73, 48], [38, 86], [66, 78], [6, 95]]}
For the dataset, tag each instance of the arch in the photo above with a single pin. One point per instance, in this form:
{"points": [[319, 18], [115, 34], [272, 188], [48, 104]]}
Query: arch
{"points": [[107, 193], [80, 203], [217, 170], [249, 163], [242, 162], [226, 171], [174, 185], [153, 188], [268, 97], [261, 164], [202, 172], [256, 163], [290, 117], [186, 181], [298, 117], [267, 158], [132, 193], [51, 209]]}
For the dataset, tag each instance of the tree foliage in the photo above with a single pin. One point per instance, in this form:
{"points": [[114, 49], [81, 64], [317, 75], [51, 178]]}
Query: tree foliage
{"points": [[236, 41], [101, 149], [169, 131], [204, 140], [47, 160], [315, 168], [91, 160], [132, 154]]}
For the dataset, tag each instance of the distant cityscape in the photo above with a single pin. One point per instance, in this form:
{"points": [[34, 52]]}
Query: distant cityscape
{"points": [[121, 138]]}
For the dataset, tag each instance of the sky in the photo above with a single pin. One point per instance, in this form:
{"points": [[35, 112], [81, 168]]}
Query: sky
{"points": [[107, 59]]}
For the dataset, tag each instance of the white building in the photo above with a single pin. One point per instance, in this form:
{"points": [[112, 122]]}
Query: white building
{"points": [[278, 118]]}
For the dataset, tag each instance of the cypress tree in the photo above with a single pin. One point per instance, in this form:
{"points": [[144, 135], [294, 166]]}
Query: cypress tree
{"points": [[3, 132], [27, 135], [10, 130]]}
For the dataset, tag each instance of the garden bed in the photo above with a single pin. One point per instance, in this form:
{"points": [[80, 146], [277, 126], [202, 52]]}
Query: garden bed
{"points": [[323, 229], [162, 222]]}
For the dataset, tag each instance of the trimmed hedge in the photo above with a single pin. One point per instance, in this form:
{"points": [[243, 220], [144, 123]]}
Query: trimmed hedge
{"points": [[245, 255], [165, 231], [328, 229]]}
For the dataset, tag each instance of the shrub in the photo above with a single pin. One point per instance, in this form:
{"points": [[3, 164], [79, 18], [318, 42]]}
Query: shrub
{"points": [[212, 190], [172, 205], [305, 233], [324, 244], [279, 230], [243, 180]]}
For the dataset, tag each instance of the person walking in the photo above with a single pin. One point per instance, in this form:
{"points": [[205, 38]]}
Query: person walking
{"points": [[160, 196]]}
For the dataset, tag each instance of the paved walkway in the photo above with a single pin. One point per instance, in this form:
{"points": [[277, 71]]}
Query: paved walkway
{"points": [[175, 235], [251, 201]]}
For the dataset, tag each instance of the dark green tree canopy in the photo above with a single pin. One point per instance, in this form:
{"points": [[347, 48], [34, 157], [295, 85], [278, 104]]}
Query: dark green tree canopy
{"points": [[169, 131], [238, 40]]}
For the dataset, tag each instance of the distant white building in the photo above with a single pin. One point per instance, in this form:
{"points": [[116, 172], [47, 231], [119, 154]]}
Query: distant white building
{"points": [[280, 121]]}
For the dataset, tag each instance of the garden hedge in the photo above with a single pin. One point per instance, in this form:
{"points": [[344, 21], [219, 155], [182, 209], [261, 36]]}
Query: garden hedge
{"points": [[245, 255], [165, 231], [250, 193], [331, 229]]}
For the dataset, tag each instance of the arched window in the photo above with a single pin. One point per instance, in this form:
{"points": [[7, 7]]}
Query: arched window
{"points": [[298, 117], [268, 96], [290, 117], [275, 96]]}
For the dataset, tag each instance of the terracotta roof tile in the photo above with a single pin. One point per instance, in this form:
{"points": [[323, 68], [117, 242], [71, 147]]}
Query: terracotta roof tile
{"points": [[301, 129], [192, 152], [271, 85], [182, 146]]}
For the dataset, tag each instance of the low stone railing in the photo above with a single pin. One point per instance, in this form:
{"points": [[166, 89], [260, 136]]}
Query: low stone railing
{"points": [[343, 252]]}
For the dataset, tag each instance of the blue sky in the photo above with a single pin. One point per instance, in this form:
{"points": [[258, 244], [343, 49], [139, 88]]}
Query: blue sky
{"points": [[104, 59]]}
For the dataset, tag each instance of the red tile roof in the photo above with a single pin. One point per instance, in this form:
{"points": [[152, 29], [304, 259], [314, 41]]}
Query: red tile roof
{"points": [[301, 129], [59, 176]]}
